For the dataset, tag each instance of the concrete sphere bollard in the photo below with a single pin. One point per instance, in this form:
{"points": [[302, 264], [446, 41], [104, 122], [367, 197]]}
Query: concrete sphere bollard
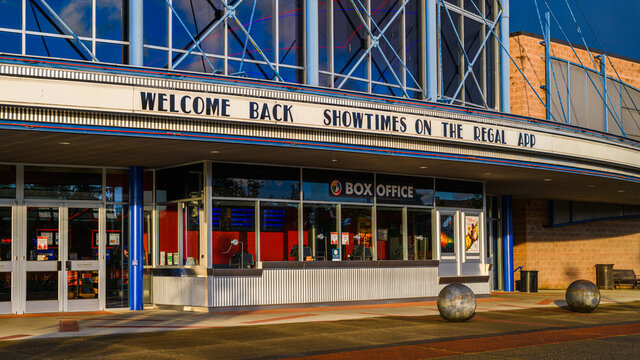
{"points": [[456, 302], [582, 296]]}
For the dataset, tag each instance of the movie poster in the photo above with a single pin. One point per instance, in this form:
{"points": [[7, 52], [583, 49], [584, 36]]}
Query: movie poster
{"points": [[447, 227], [472, 234]]}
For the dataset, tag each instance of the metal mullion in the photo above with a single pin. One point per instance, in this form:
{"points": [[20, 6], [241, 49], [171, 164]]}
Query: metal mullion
{"points": [[93, 26], [330, 42], [483, 57], [24, 28], [403, 44], [181, 225], [460, 36], [169, 37], [276, 30], [370, 35], [405, 236]]}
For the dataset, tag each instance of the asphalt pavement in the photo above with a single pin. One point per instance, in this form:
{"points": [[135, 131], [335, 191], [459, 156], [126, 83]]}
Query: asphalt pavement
{"points": [[506, 325]]}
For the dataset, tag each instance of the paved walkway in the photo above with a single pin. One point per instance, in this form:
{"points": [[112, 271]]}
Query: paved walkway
{"points": [[119, 322]]}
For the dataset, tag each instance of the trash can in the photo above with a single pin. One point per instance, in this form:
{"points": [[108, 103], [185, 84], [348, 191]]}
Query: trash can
{"points": [[604, 276], [529, 280]]}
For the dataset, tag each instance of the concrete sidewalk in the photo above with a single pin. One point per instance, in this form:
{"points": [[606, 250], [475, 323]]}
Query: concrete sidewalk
{"points": [[121, 322]]}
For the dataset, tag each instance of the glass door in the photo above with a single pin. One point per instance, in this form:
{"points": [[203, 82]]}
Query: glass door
{"points": [[42, 261], [81, 255], [7, 259], [60, 269]]}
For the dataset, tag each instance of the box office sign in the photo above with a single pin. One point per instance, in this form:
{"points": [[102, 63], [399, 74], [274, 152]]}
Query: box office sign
{"points": [[384, 191]]}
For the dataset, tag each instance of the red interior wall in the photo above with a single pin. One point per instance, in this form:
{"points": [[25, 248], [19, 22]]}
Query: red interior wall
{"points": [[382, 250], [222, 241], [191, 246], [168, 229]]}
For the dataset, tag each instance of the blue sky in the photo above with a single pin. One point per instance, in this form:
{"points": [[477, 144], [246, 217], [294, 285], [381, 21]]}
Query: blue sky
{"points": [[615, 22]]}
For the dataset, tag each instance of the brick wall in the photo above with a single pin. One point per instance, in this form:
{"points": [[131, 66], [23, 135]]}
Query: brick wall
{"points": [[567, 253], [528, 53]]}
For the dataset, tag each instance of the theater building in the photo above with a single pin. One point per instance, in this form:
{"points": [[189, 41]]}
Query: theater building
{"points": [[210, 155]]}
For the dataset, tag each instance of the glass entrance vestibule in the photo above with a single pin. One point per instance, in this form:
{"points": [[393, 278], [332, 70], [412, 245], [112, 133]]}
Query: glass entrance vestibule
{"points": [[62, 246], [257, 213]]}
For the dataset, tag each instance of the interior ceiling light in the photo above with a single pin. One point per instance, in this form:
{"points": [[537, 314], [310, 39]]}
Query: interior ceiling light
{"points": [[591, 185], [423, 167], [487, 173], [214, 152], [64, 143], [334, 160], [547, 179], [620, 191]]}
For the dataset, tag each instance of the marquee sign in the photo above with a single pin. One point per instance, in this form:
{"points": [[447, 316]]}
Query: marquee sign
{"points": [[312, 115], [131, 99]]}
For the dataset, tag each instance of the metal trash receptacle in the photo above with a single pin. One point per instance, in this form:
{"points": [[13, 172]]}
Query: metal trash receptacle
{"points": [[604, 276], [529, 280]]}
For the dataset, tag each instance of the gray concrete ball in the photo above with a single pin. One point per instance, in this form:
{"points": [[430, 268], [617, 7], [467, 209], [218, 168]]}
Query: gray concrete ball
{"points": [[456, 302], [582, 296]]}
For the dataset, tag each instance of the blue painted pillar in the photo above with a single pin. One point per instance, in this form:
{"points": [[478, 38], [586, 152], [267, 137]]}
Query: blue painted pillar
{"points": [[431, 14], [547, 62], [135, 237], [136, 40], [311, 39], [507, 242], [505, 95]]}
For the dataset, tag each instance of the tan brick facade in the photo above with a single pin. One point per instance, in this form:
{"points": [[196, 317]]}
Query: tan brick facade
{"points": [[567, 253], [528, 53]]}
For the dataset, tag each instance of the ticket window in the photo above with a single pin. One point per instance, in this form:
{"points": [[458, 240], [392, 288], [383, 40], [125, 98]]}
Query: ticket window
{"points": [[320, 231], [356, 233]]}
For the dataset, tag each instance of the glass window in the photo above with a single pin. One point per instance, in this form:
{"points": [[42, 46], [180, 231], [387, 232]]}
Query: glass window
{"points": [[234, 237], [117, 262], [75, 13], [455, 193], [43, 236], [147, 236], [117, 189], [156, 31], [7, 181], [320, 231], [419, 234], [290, 41], [5, 233], [231, 180], [279, 232], [62, 183], [10, 14], [337, 186], [5, 286], [447, 236], [42, 285], [109, 19], [83, 234], [183, 182], [10, 42], [168, 234], [389, 227], [356, 237], [191, 215], [394, 189]]}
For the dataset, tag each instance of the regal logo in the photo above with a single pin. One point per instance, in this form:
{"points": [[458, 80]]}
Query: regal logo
{"points": [[335, 187]]}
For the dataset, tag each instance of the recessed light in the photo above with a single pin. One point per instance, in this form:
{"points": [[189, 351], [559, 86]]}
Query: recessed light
{"points": [[591, 185], [547, 179], [487, 173], [423, 167], [214, 152], [334, 160], [64, 143], [620, 191]]}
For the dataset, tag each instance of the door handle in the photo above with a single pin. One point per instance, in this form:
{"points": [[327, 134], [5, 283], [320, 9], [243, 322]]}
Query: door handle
{"points": [[59, 265], [68, 265]]}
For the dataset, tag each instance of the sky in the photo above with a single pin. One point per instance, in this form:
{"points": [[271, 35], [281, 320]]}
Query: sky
{"points": [[615, 22]]}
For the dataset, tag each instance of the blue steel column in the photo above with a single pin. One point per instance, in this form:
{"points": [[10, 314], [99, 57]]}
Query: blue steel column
{"points": [[311, 43], [431, 14], [136, 50], [507, 242], [135, 237], [547, 62], [505, 95]]}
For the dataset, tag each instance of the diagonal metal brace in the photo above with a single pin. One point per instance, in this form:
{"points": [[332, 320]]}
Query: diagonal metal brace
{"points": [[67, 28]]}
